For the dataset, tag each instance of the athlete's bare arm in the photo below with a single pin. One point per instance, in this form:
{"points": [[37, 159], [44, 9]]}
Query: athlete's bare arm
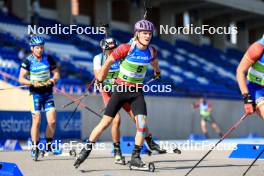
{"points": [[22, 77], [105, 68], [241, 74], [56, 75], [253, 53], [118, 53], [155, 65], [96, 73]]}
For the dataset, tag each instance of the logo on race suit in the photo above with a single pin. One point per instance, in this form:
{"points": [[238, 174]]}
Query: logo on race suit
{"points": [[34, 68], [142, 57], [36, 102], [115, 64], [139, 57], [24, 65], [49, 103], [258, 79]]}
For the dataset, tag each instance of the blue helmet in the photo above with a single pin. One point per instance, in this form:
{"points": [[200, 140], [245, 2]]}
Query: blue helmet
{"points": [[36, 41]]}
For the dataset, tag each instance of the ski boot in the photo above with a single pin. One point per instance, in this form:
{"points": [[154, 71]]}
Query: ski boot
{"points": [[137, 164], [119, 159], [83, 155], [153, 146], [47, 151], [35, 153]]}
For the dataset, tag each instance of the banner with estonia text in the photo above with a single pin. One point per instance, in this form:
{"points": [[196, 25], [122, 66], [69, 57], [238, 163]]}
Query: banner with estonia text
{"points": [[17, 125]]}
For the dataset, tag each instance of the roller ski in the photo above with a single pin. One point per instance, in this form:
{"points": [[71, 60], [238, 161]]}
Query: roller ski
{"points": [[137, 164], [150, 167], [58, 152], [83, 155], [50, 150], [176, 150], [153, 146]]}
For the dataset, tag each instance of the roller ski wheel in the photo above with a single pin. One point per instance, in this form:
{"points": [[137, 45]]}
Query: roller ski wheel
{"points": [[177, 151], [77, 163], [73, 153], [150, 167]]}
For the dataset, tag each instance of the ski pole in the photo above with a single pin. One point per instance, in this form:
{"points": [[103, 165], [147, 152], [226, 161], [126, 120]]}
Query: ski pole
{"points": [[253, 162], [80, 98], [222, 138], [81, 104]]}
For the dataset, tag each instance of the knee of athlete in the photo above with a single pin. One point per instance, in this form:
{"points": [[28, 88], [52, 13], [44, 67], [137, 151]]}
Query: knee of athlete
{"points": [[52, 123], [260, 111], [214, 125], [36, 119], [51, 112], [204, 128], [141, 125], [105, 122], [116, 121], [203, 125], [103, 126]]}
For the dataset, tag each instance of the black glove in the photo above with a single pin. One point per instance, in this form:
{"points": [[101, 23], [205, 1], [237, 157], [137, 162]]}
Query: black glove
{"points": [[98, 84], [157, 75], [247, 98], [50, 84], [248, 104]]}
